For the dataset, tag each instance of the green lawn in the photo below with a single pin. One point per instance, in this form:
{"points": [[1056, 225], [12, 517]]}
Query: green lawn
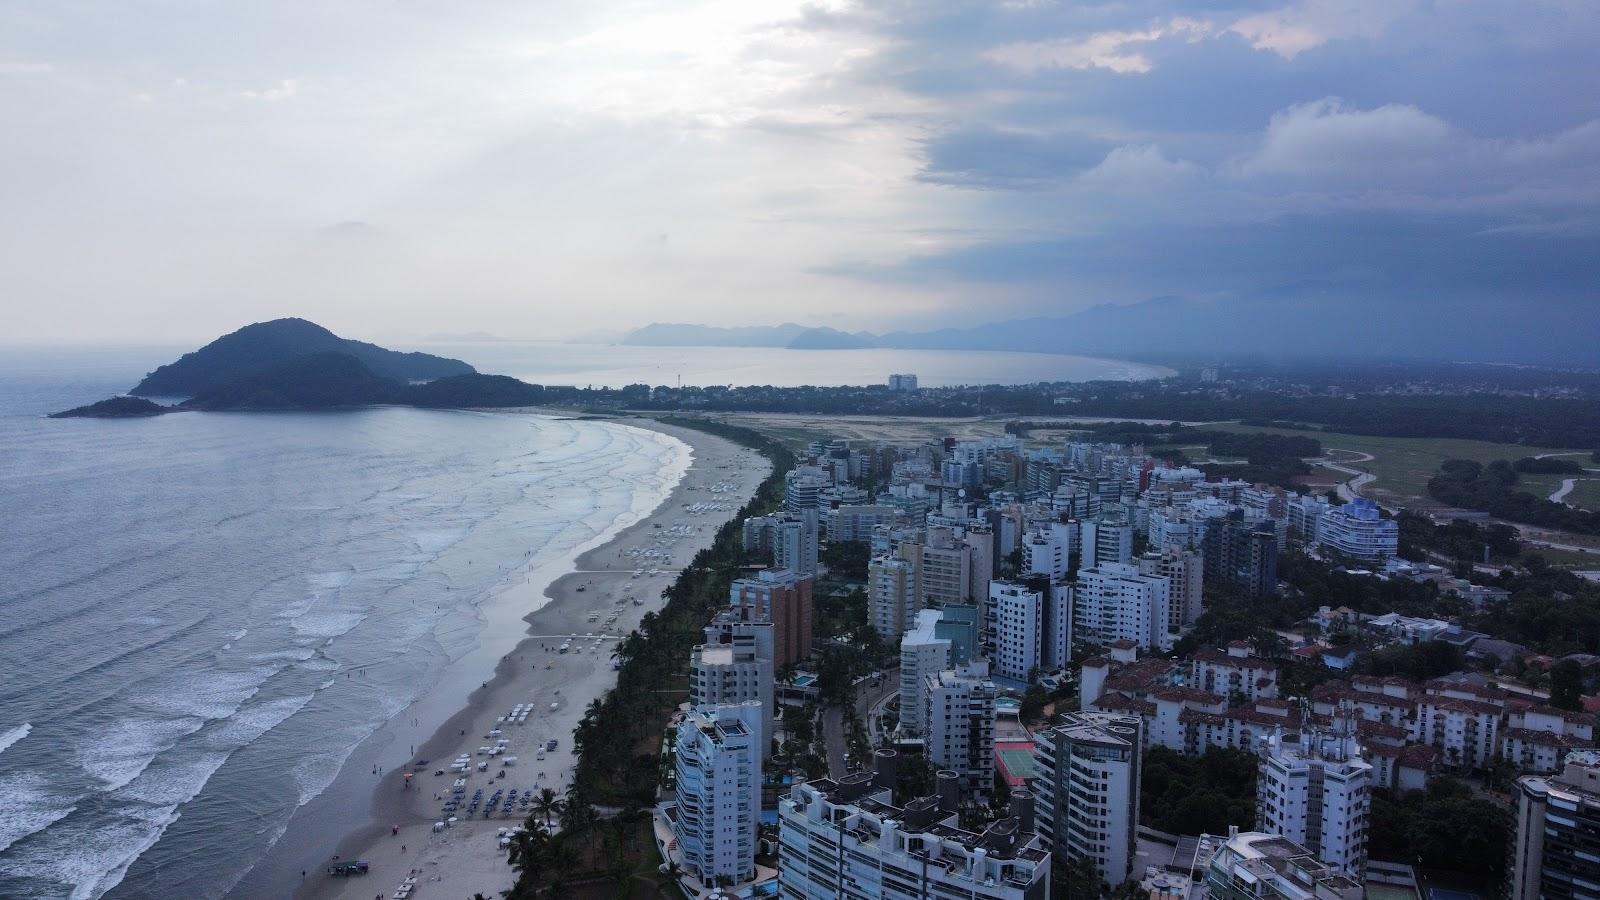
{"points": [[1586, 494], [1404, 465]]}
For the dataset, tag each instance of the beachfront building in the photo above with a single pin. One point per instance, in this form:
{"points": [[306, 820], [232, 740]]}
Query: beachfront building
{"points": [[846, 840], [1318, 794], [803, 487], [783, 598], [958, 719], [734, 666], [902, 382], [893, 597], [718, 767], [1254, 865], [1115, 602], [922, 653], [1086, 789], [1553, 851], [1358, 530], [1185, 574]]}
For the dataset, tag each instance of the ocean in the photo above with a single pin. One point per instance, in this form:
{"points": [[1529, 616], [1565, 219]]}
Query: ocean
{"points": [[204, 615]]}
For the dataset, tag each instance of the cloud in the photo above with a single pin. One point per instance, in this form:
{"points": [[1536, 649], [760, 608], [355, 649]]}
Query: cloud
{"points": [[283, 90], [1302, 26], [1325, 137], [1143, 167], [1114, 51]]}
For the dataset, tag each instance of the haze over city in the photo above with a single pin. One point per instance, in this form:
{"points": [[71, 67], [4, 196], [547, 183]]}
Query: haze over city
{"points": [[560, 169]]}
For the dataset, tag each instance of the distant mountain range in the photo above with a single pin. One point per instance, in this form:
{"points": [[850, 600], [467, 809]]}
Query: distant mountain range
{"points": [[1297, 321], [295, 364], [254, 349]]}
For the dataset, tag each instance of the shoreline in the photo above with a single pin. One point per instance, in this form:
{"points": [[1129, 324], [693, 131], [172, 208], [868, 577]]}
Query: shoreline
{"points": [[397, 837]]}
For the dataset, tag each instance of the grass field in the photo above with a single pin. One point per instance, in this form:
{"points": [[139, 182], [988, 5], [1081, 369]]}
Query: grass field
{"points": [[1586, 493], [1404, 465]]}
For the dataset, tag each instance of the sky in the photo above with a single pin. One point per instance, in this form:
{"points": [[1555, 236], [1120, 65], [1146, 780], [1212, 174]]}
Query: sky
{"points": [[173, 169]]}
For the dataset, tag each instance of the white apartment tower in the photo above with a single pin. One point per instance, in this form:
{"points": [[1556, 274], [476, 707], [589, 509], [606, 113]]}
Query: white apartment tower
{"points": [[958, 719], [1317, 793], [1046, 552], [1108, 539], [1115, 602], [921, 655], [892, 597], [1032, 631], [1086, 790], [719, 790], [734, 666], [794, 542]]}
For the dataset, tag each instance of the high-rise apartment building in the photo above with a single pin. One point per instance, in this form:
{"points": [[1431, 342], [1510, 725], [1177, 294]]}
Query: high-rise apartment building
{"points": [[1359, 530], [783, 598], [718, 762], [958, 719], [1318, 794], [1086, 790], [1185, 574], [1253, 865], [892, 600], [846, 840], [1243, 554], [945, 567], [1108, 539], [734, 666], [1032, 629], [803, 487], [1116, 602], [922, 654], [1554, 853], [1046, 552], [794, 542]]}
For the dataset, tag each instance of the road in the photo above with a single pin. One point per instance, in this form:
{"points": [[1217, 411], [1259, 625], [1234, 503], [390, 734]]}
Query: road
{"points": [[868, 695], [1350, 488]]}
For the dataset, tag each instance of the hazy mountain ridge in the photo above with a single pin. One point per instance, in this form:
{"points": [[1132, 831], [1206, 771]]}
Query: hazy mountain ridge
{"points": [[259, 347], [1298, 320]]}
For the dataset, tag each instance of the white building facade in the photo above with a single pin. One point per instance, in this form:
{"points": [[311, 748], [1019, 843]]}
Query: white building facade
{"points": [[1318, 794], [718, 762]]}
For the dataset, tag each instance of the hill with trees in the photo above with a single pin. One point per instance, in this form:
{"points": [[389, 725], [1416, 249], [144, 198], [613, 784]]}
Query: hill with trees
{"points": [[255, 349]]}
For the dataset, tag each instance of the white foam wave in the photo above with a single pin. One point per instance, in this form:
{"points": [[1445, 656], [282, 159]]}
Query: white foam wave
{"points": [[11, 736], [121, 752], [29, 807]]}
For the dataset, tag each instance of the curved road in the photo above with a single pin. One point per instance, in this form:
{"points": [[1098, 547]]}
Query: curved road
{"points": [[1350, 488]]}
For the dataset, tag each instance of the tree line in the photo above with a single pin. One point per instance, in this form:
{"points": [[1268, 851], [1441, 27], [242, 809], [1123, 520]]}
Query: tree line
{"points": [[1492, 489]]}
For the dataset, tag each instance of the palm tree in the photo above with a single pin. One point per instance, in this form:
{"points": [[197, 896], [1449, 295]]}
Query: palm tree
{"points": [[544, 804]]}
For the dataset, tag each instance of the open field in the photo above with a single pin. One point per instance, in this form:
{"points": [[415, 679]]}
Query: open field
{"points": [[1402, 466], [797, 430], [1586, 494]]}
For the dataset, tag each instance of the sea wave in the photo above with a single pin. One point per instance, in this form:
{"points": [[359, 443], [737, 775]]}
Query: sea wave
{"points": [[12, 735]]}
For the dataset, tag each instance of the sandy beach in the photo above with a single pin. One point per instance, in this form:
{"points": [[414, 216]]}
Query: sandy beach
{"points": [[590, 608]]}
